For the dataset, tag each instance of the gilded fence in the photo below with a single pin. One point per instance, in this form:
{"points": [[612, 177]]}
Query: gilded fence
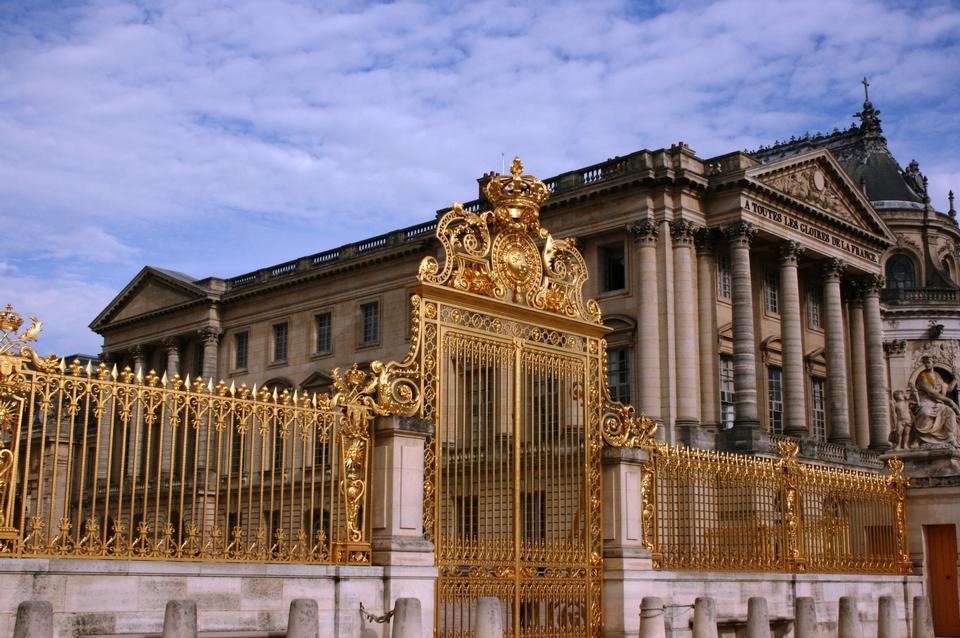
{"points": [[97, 462], [713, 511]]}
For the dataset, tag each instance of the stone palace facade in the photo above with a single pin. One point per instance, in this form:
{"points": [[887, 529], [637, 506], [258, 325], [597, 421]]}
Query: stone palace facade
{"points": [[806, 289]]}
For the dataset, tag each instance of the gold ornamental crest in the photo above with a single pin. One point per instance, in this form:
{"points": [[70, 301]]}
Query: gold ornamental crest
{"points": [[505, 254]]}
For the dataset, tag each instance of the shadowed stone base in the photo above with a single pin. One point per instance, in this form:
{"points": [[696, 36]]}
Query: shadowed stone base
{"points": [[744, 439], [693, 434]]}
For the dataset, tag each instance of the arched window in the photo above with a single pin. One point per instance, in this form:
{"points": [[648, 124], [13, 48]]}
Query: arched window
{"points": [[900, 272], [947, 268]]}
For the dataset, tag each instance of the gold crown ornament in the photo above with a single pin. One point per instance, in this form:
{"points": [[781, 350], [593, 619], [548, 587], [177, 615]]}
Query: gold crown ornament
{"points": [[517, 199], [10, 321]]}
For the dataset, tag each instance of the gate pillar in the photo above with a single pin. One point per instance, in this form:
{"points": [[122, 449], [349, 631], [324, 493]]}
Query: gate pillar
{"points": [[625, 559], [397, 508]]}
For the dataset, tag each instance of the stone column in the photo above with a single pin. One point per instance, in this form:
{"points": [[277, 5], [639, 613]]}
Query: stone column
{"points": [[858, 365], [645, 233], [136, 431], [172, 346], [396, 496], [211, 346], [876, 370], [684, 307], [744, 347], [139, 354], [791, 327], [707, 309], [836, 355]]}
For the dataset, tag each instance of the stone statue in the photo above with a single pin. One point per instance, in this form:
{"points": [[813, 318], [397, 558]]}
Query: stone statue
{"points": [[935, 415], [903, 407]]}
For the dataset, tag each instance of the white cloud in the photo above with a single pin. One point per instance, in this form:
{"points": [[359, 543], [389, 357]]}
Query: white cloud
{"points": [[150, 135]]}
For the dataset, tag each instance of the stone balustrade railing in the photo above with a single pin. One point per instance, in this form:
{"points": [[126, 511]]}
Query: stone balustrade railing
{"points": [[633, 164], [938, 296]]}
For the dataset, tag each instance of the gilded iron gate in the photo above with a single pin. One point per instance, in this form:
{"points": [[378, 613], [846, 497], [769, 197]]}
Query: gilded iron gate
{"points": [[508, 361]]}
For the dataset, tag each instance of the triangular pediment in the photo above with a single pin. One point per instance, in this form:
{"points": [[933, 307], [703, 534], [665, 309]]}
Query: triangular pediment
{"points": [[818, 181], [151, 291]]}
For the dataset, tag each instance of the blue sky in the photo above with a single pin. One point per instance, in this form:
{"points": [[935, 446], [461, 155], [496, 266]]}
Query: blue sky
{"points": [[215, 138]]}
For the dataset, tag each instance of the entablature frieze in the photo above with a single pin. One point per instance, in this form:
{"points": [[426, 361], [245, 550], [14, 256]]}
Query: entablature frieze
{"points": [[816, 239]]}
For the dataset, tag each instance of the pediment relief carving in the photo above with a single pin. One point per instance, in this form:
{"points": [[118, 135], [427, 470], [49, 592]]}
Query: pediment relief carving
{"points": [[149, 297], [815, 186]]}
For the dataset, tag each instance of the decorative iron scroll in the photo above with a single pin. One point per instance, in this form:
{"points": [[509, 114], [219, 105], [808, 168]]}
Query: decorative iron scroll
{"points": [[107, 463], [495, 254], [715, 511]]}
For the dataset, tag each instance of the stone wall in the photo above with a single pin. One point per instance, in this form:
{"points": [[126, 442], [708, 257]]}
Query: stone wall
{"points": [[626, 587], [111, 597]]}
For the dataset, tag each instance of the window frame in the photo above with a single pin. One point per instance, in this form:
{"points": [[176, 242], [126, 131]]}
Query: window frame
{"points": [[771, 293], [604, 254], [728, 396], [273, 342], [237, 350], [622, 368], [814, 294], [894, 282], [819, 428], [362, 342], [724, 278], [317, 350], [775, 405]]}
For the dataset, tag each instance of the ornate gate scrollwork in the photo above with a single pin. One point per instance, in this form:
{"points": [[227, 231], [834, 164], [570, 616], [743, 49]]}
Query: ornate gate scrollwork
{"points": [[512, 366]]}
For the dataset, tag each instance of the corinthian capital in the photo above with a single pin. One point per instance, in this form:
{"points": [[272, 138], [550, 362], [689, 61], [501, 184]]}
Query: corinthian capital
{"points": [[832, 269], [740, 233], [644, 231], [872, 284], [706, 240], [790, 252], [683, 231], [171, 343], [209, 335]]}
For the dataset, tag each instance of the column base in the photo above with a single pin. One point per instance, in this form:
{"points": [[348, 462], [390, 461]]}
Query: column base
{"points": [[745, 439], [402, 550], [797, 433], [692, 434]]}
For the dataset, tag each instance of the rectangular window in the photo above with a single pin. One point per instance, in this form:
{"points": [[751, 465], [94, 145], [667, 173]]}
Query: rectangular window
{"points": [[724, 278], [483, 387], [613, 267], [618, 374], [775, 395], [813, 307], [727, 396], [818, 409], [240, 351], [198, 360], [772, 292], [324, 325], [370, 323], [280, 342]]}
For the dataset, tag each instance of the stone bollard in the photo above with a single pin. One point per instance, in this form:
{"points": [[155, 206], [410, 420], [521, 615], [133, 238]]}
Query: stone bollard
{"points": [[180, 619], [34, 620], [652, 621], [407, 619], [304, 619], [922, 619], [489, 618], [805, 617], [758, 620], [704, 618], [848, 624], [887, 618]]}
